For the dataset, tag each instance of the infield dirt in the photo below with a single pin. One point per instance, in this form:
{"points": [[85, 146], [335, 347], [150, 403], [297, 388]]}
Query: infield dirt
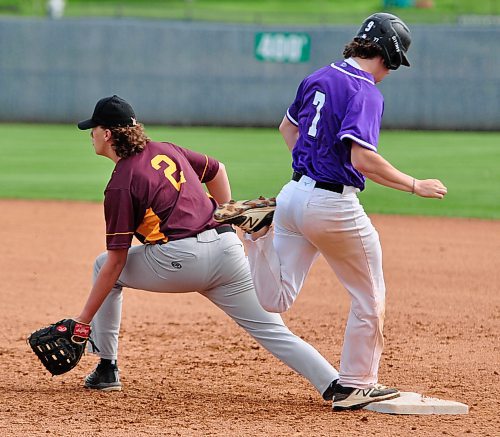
{"points": [[187, 369]]}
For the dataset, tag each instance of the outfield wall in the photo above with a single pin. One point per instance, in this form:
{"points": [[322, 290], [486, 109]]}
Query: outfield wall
{"points": [[204, 74]]}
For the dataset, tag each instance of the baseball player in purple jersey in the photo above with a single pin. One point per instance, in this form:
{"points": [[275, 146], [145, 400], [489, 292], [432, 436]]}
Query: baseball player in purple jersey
{"points": [[332, 129], [156, 193]]}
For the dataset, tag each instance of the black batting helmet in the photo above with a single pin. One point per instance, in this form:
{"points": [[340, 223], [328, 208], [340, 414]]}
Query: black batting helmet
{"points": [[391, 35]]}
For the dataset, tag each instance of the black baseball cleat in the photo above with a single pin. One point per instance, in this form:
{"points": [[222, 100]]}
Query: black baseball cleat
{"points": [[328, 393], [349, 398], [248, 215], [104, 378]]}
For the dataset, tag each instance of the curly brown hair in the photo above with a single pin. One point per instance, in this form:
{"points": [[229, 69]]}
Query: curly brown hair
{"points": [[362, 48], [129, 140]]}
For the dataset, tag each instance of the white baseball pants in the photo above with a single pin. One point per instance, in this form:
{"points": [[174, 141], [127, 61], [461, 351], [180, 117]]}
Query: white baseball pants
{"points": [[215, 266], [309, 221]]}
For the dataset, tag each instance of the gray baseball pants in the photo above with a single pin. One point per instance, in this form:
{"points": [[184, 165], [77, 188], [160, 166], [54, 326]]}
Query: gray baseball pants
{"points": [[215, 266]]}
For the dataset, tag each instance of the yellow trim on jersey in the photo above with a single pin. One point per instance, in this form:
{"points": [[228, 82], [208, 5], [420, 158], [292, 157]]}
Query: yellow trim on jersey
{"points": [[150, 228], [205, 169], [120, 233]]}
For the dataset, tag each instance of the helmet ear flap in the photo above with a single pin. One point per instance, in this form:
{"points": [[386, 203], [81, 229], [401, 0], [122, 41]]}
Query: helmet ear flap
{"points": [[389, 61], [394, 56]]}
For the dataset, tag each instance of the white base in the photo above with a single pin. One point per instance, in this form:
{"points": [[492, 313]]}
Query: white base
{"points": [[415, 403]]}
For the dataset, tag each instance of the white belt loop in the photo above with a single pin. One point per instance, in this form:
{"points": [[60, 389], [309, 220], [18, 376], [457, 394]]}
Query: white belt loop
{"points": [[348, 190], [207, 236]]}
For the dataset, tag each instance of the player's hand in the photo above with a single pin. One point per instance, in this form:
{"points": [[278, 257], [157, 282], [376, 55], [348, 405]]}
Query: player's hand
{"points": [[433, 188]]}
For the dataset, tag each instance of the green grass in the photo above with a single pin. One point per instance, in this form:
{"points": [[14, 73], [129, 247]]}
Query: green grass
{"points": [[257, 11], [467, 163], [58, 162]]}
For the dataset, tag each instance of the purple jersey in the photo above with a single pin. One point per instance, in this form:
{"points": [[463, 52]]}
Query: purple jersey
{"points": [[157, 195], [333, 106]]}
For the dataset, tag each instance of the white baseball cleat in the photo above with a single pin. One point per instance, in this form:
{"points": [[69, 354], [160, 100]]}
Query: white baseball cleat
{"points": [[248, 215], [349, 398]]}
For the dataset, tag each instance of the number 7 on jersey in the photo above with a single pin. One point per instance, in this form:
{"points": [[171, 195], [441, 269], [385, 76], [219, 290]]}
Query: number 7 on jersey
{"points": [[319, 101]]}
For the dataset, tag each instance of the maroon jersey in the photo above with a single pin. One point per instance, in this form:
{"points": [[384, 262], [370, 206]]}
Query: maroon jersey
{"points": [[158, 196]]}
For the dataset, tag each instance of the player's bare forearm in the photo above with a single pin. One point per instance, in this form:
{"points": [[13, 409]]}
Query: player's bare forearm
{"points": [[389, 183], [219, 187], [379, 170], [105, 281], [290, 133]]}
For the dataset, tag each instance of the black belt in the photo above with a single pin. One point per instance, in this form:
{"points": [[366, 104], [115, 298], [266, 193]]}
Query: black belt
{"points": [[222, 229], [330, 186]]}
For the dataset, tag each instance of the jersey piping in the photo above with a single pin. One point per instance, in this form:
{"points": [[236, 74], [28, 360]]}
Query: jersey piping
{"points": [[205, 169], [361, 142], [295, 122], [352, 74]]}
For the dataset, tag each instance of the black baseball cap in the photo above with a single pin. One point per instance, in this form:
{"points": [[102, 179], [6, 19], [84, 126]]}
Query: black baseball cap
{"points": [[110, 112]]}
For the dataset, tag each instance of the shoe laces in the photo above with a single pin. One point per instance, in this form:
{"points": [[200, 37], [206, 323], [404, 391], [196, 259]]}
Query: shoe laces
{"points": [[94, 347]]}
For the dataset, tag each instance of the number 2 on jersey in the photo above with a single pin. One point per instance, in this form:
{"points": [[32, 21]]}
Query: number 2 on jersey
{"points": [[169, 171], [319, 101]]}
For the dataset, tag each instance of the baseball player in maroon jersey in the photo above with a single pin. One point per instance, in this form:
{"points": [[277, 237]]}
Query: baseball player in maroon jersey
{"points": [[332, 129], [156, 193]]}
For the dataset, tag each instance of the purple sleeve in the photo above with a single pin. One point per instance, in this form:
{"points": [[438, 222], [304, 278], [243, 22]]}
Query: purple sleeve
{"points": [[119, 216], [293, 111], [363, 119], [205, 167]]}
